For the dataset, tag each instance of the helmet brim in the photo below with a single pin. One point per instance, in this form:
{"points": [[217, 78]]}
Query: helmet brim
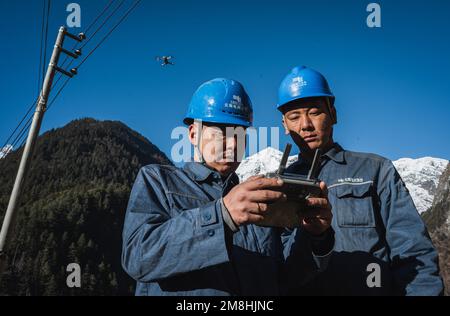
{"points": [[227, 121], [282, 107]]}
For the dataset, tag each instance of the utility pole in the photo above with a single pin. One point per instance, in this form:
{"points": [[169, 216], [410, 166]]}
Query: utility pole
{"points": [[9, 219]]}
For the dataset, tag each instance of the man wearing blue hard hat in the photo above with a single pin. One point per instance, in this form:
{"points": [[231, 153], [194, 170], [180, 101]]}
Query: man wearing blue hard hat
{"points": [[191, 230], [382, 245]]}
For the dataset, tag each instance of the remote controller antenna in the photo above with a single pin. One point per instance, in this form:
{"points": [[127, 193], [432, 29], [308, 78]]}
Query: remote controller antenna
{"points": [[284, 159], [315, 165]]}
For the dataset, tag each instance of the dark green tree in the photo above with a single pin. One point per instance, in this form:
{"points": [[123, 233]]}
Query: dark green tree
{"points": [[72, 209]]}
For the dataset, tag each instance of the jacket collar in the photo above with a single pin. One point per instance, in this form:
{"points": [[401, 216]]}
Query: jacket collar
{"points": [[335, 153], [200, 172]]}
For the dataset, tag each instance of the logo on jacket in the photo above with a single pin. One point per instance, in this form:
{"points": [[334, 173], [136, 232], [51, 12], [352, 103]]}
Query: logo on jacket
{"points": [[350, 180]]}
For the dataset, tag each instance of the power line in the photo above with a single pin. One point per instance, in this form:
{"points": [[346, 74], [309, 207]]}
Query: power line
{"points": [[136, 3], [101, 25], [21, 137], [24, 166], [17, 127], [42, 68], [41, 48], [99, 15], [88, 28], [8, 221], [109, 33], [24, 139], [27, 124], [95, 32], [46, 39], [102, 40], [58, 93], [22, 132]]}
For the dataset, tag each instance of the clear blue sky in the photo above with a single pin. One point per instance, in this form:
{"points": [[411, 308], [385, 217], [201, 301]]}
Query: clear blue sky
{"points": [[392, 84]]}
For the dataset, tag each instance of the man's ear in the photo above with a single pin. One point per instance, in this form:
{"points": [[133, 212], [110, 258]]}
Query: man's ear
{"points": [[286, 130], [331, 110], [333, 115], [192, 133]]}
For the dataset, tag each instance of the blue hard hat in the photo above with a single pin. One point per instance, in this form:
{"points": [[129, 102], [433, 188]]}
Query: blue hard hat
{"points": [[222, 101], [303, 82]]}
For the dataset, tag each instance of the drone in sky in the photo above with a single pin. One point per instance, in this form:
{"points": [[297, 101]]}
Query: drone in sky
{"points": [[165, 60]]}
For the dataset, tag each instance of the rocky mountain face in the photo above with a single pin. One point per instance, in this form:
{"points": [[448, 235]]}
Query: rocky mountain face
{"points": [[421, 177], [437, 219]]}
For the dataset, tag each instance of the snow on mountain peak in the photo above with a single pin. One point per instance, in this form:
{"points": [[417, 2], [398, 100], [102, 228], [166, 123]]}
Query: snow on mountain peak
{"points": [[5, 150], [264, 162], [421, 176]]}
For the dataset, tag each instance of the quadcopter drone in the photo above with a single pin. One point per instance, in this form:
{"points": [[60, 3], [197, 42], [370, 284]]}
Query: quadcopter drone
{"points": [[165, 60]]}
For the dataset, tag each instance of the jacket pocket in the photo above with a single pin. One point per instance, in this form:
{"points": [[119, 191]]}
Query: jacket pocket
{"points": [[182, 201], [354, 205]]}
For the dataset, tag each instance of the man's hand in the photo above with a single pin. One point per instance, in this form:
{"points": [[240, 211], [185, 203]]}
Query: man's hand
{"points": [[248, 202], [317, 218], [285, 214]]}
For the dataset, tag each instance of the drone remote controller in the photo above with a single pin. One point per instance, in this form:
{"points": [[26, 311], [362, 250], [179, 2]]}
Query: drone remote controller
{"points": [[297, 187]]}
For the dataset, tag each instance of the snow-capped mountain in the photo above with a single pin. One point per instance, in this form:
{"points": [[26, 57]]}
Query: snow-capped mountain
{"points": [[421, 176], [5, 150], [264, 162]]}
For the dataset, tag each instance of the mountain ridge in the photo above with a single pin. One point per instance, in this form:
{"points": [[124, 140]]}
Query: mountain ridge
{"points": [[72, 208]]}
